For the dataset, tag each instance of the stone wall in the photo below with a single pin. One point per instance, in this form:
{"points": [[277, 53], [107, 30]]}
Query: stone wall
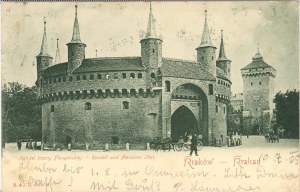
{"points": [[106, 119]]}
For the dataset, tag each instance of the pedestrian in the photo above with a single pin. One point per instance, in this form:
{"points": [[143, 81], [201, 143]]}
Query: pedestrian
{"points": [[19, 144], [34, 145], [194, 144], [29, 144]]}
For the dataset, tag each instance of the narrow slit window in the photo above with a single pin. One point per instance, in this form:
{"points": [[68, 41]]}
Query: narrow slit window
{"points": [[52, 108], [87, 106], [211, 89], [125, 105], [168, 86]]}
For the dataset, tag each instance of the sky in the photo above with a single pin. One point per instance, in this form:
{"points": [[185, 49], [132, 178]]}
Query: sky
{"points": [[115, 30]]}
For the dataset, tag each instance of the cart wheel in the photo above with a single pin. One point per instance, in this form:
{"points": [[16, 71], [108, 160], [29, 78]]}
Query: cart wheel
{"points": [[178, 147], [186, 147], [199, 146]]}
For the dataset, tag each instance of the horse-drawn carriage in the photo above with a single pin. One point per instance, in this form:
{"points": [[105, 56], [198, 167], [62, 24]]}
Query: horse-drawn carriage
{"points": [[181, 144], [271, 137]]}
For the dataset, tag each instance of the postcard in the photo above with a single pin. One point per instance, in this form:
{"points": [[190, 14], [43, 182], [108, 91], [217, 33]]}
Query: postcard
{"points": [[168, 96]]}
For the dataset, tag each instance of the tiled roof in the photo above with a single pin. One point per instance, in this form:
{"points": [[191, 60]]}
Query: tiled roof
{"points": [[257, 62], [58, 69], [220, 73], [184, 69], [110, 64]]}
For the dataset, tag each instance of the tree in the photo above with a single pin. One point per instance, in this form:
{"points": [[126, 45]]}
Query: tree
{"points": [[21, 113], [287, 112]]}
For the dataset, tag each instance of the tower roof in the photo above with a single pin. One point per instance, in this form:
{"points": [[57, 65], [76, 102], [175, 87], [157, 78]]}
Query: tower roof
{"points": [[44, 46], [205, 40], [57, 55], [151, 33], [222, 55], [76, 32], [257, 62]]}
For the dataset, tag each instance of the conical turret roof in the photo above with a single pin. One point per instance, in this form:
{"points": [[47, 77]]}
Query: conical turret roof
{"points": [[57, 55], [222, 55], [151, 32], [205, 40], [44, 46], [76, 32]]}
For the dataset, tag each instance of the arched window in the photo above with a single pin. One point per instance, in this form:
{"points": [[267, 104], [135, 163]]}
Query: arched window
{"points": [[259, 83], [140, 75], [107, 76], [99, 76], [251, 83], [54, 80], [132, 75], [59, 80], [152, 75], [125, 104], [50, 81], [87, 106], [153, 50], [71, 78], [124, 75], [78, 77], [64, 79], [212, 57], [52, 108], [168, 86], [84, 77], [91, 76], [217, 109], [115, 75], [210, 89]]}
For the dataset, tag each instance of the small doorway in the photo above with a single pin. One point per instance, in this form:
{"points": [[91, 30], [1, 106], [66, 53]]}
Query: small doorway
{"points": [[68, 139], [115, 140]]}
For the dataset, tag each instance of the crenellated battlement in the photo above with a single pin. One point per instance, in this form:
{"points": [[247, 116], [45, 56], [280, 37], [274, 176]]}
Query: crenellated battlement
{"points": [[100, 93], [222, 99]]}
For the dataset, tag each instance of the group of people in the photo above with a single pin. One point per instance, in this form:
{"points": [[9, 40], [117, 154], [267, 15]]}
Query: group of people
{"points": [[31, 144], [234, 141]]}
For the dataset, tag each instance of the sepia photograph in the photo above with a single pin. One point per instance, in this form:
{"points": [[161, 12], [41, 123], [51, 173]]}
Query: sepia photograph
{"points": [[169, 96]]}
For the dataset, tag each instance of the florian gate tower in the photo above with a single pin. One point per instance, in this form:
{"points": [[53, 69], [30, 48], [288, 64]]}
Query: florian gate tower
{"points": [[117, 100], [258, 80]]}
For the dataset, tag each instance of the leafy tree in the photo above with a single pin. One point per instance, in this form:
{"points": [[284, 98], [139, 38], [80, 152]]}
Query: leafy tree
{"points": [[21, 113], [287, 112]]}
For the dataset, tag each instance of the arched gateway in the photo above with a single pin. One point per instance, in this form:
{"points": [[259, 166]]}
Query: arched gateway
{"points": [[189, 110]]}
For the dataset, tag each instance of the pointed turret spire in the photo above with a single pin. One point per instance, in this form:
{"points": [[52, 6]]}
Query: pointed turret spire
{"points": [[205, 40], [151, 33], [76, 33], [57, 55], [222, 55], [257, 55], [44, 47]]}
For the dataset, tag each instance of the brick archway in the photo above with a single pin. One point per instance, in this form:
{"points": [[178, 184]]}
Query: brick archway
{"points": [[191, 102], [183, 121]]}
